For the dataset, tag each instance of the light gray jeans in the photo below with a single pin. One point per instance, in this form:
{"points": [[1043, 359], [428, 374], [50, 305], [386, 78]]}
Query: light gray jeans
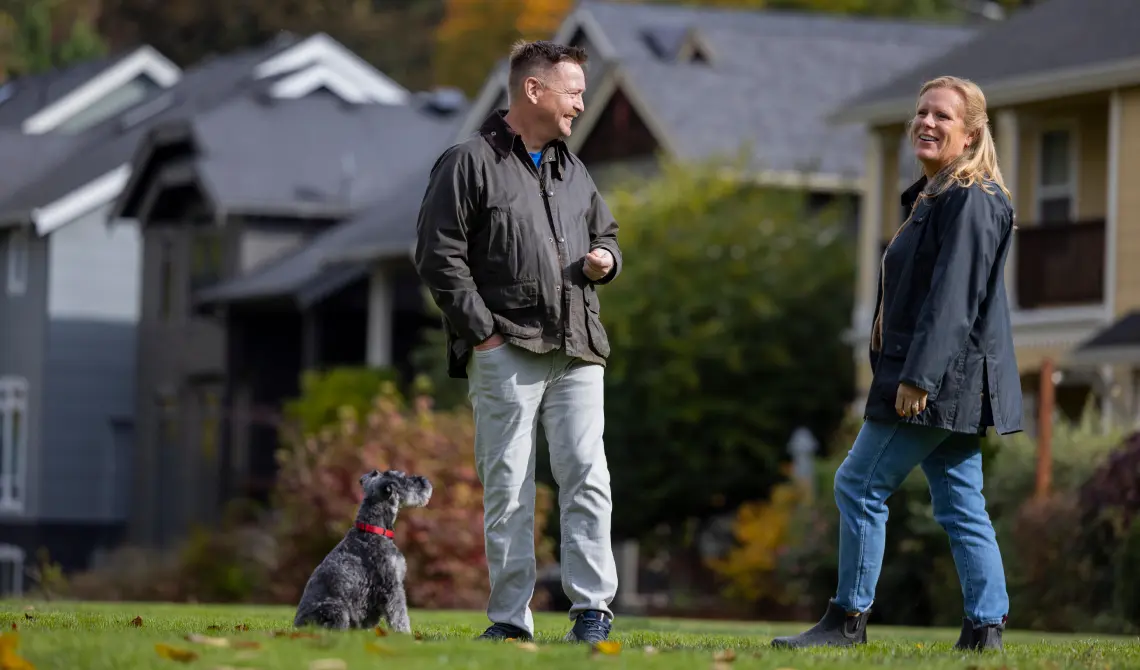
{"points": [[511, 390]]}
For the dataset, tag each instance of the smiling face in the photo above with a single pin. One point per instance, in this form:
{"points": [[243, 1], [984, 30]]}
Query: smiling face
{"points": [[938, 131], [557, 98]]}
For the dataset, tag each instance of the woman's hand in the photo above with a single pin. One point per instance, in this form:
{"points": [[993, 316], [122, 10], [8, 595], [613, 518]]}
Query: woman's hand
{"points": [[909, 401]]}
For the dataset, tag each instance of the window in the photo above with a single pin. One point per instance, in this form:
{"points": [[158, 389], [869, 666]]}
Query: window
{"points": [[18, 262], [13, 442], [1056, 176], [11, 571]]}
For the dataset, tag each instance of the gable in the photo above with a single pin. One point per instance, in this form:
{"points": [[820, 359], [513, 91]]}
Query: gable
{"points": [[321, 61], [109, 92], [619, 134]]}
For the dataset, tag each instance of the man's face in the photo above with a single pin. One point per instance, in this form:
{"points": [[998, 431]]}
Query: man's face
{"points": [[558, 98]]}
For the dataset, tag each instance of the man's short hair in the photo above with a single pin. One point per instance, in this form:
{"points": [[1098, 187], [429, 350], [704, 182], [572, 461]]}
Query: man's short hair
{"points": [[533, 58]]}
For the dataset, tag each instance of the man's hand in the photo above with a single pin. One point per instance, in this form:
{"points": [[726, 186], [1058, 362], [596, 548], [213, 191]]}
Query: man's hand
{"points": [[490, 343], [909, 401], [597, 264]]}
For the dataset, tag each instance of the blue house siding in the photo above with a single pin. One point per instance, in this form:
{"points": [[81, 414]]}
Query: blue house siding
{"points": [[90, 364], [23, 324], [90, 380]]}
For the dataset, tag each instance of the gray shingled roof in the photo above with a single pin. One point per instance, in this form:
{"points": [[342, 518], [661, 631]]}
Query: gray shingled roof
{"points": [[112, 143], [405, 146], [773, 78], [26, 157], [1042, 41], [22, 97], [259, 155]]}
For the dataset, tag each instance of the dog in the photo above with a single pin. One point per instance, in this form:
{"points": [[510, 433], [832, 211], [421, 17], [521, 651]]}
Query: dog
{"points": [[362, 578]]}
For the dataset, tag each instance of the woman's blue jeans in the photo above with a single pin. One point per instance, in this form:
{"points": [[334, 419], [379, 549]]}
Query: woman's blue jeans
{"points": [[881, 458]]}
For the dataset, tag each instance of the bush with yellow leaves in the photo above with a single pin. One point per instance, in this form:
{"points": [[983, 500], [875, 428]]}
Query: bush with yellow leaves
{"points": [[761, 532]]}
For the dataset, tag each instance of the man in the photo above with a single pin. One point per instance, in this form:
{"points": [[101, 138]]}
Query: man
{"points": [[513, 241]]}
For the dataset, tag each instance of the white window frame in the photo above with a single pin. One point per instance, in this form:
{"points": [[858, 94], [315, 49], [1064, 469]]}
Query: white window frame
{"points": [[18, 257], [13, 555], [1069, 189], [13, 398]]}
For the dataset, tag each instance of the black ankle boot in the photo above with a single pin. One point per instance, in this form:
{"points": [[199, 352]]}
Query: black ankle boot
{"points": [[981, 638], [837, 628]]}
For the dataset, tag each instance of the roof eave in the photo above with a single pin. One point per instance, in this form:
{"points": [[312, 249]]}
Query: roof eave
{"points": [[1007, 92]]}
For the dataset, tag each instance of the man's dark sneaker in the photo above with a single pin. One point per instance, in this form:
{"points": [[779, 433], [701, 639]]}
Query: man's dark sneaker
{"points": [[590, 626], [981, 638], [837, 628], [505, 631]]}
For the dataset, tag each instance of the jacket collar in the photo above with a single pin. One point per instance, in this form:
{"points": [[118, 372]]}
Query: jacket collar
{"points": [[504, 140], [911, 194]]}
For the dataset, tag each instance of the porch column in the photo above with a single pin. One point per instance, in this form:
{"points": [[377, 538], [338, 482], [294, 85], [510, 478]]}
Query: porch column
{"points": [[379, 318], [870, 232], [1112, 204], [1007, 140]]}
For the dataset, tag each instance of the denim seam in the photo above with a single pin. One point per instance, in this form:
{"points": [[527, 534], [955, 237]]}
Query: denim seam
{"points": [[863, 516], [969, 583]]}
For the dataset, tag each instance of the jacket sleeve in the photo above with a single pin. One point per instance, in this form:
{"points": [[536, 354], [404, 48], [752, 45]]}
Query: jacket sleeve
{"points": [[449, 207], [603, 232], [969, 230]]}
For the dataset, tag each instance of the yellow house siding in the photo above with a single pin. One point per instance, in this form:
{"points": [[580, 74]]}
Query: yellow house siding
{"points": [[1128, 204]]}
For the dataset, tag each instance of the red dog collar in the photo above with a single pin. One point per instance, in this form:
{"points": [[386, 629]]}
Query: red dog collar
{"points": [[377, 530]]}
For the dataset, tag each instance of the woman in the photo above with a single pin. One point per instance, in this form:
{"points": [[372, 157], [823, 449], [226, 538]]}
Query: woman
{"points": [[944, 370]]}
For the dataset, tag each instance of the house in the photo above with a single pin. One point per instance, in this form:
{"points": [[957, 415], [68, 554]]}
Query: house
{"points": [[68, 291], [73, 273], [230, 201], [702, 83], [1062, 81]]}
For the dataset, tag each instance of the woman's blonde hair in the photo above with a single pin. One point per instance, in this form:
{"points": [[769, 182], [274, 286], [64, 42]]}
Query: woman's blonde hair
{"points": [[979, 162]]}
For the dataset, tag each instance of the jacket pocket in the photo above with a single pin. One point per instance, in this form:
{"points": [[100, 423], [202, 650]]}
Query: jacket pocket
{"points": [[514, 307], [599, 340], [891, 359]]}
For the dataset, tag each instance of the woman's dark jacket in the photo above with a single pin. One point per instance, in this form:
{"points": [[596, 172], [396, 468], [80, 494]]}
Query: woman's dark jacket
{"points": [[946, 324]]}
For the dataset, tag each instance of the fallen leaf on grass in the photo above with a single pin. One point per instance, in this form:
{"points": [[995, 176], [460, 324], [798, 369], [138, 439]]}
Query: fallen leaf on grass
{"points": [[724, 656], [9, 659], [241, 627], [174, 653], [328, 664], [380, 632], [528, 646], [650, 649], [207, 640], [608, 648], [418, 635], [378, 648], [294, 634], [246, 644], [137, 622]]}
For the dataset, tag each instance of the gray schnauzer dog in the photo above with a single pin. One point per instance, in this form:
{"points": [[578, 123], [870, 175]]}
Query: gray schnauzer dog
{"points": [[362, 578]]}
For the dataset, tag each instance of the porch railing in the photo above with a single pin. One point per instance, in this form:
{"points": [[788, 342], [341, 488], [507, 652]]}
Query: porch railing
{"points": [[1060, 264], [1056, 264]]}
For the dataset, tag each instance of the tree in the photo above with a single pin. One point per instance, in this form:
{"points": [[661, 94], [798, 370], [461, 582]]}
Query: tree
{"points": [[476, 34], [39, 35], [395, 36], [726, 331]]}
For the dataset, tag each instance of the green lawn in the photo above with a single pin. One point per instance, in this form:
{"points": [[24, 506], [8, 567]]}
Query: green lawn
{"points": [[82, 636]]}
